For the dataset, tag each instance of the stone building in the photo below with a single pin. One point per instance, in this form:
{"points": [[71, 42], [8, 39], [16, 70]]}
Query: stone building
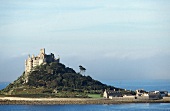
{"points": [[112, 93], [34, 61], [141, 92], [42, 58]]}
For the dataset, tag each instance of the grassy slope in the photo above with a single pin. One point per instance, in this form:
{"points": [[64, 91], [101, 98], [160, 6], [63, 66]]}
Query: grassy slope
{"points": [[56, 76]]}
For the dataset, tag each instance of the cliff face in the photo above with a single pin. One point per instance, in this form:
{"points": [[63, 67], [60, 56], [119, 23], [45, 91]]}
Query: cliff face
{"points": [[54, 79]]}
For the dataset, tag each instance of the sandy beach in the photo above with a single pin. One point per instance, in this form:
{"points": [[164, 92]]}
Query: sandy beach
{"points": [[19, 100]]}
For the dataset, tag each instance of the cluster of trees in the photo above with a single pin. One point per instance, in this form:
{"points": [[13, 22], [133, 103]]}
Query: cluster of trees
{"points": [[82, 69], [57, 76]]}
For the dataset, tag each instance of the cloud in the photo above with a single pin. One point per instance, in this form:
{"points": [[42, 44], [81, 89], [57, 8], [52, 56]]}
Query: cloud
{"points": [[91, 30], [131, 55], [38, 18]]}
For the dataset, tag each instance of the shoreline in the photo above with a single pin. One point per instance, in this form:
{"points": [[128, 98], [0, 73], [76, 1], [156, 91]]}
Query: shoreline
{"points": [[60, 101]]}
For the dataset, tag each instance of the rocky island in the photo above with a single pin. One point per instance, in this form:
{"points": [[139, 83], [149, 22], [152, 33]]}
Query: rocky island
{"points": [[47, 81]]}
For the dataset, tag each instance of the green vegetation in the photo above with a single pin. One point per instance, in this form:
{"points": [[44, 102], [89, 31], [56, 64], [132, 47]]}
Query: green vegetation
{"points": [[95, 95], [55, 80]]}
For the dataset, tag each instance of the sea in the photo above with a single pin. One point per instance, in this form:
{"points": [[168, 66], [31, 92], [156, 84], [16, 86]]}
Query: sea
{"points": [[148, 85]]}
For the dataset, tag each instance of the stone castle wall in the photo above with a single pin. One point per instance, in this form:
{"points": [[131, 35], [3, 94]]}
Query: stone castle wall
{"points": [[42, 58]]}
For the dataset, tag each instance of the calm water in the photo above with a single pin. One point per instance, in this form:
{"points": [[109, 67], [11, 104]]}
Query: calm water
{"points": [[147, 85], [118, 107]]}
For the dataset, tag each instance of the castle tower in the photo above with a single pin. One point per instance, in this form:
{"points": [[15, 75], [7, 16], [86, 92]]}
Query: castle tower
{"points": [[42, 56], [34, 61], [42, 51]]}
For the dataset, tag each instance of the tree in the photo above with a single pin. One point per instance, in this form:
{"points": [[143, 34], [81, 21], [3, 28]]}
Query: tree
{"points": [[82, 69]]}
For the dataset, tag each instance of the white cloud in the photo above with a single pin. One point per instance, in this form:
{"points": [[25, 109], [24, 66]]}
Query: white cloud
{"points": [[137, 54], [91, 29]]}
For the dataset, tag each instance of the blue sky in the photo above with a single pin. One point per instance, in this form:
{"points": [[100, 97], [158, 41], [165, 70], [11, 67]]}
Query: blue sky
{"points": [[113, 39]]}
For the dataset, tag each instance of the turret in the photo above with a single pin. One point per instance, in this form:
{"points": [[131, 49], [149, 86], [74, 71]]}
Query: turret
{"points": [[33, 56], [42, 58], [25, 65], [42, 51]]}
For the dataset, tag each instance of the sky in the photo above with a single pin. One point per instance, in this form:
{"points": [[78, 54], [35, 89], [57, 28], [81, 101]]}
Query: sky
{"points": [[112, 39]]}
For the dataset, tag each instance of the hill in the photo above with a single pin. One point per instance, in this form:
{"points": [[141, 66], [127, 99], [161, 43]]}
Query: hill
{"points": [[55, 80]]}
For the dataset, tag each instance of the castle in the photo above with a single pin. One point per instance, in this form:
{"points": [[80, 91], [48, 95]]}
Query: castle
{"points": [[42, 58]]}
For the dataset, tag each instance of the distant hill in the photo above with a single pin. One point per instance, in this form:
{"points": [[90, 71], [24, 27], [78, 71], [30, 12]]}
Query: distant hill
{"points": [[55, 80]]}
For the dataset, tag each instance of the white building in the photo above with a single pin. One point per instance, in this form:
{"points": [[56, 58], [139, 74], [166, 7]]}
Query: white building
{"points": [[141, 92]]}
